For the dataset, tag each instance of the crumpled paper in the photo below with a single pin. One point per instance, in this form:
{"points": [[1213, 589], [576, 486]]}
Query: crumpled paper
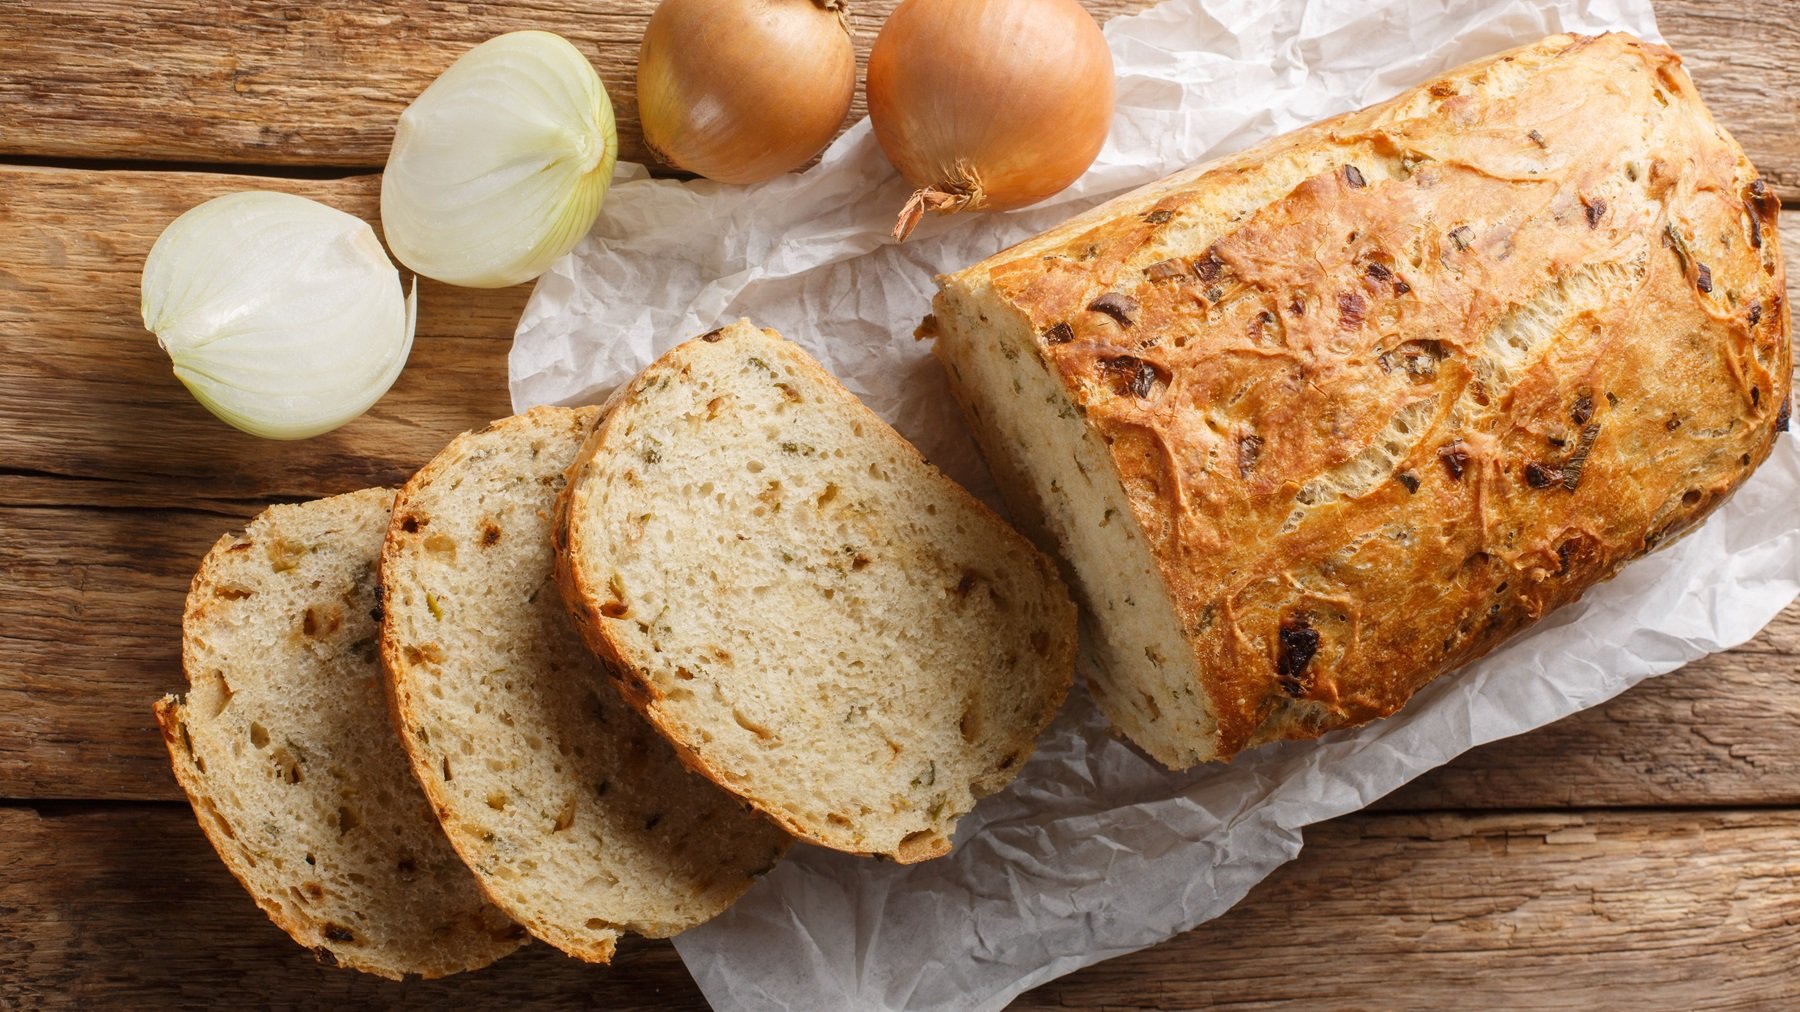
{"points": [[1095, 851]]}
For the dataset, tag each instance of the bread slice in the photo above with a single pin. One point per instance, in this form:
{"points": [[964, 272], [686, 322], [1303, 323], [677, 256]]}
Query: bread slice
{"points": [[578, 820], [815, 616], [283, 746]]}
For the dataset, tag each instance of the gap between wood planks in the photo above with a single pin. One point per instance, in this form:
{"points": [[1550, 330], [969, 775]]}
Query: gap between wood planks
{"points": [[126, 164], [76, 242], [68, 808], [323, 85], [109, 905]]}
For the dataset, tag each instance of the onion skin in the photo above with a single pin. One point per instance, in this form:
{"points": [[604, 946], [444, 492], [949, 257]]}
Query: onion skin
{"points": [[989, 104], [744, 90]]}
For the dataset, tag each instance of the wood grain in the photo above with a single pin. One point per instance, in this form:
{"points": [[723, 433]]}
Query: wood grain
{"points": [[90, 636], [1665, 910], [289, 83], [1719, 732], [1742, 58], [127, 906], [272, 83]]}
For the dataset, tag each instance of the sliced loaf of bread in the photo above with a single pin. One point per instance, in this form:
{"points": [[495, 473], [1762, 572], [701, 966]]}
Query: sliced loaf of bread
{"points": [[578, 820], [283, 746], [817, 618]]}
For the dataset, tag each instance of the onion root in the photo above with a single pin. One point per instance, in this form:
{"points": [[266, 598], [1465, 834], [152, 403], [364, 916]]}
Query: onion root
{"points": [[988, 105], [963, 193]]}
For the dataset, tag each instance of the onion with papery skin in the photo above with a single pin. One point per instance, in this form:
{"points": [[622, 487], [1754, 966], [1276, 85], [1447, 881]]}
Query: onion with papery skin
{"points": [[498, 168], [743, 90], [988, 104], [283, 316]]}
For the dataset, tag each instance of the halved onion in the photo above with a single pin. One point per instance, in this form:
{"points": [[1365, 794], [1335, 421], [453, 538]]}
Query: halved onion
{"points": [[498, 168], [282, 315]]}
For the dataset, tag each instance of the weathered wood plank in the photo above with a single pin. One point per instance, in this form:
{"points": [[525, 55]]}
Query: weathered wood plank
{"points": [[265, 82], [1719, 732], [1745, 59], [90, 636], [108, 906], [1578, 910], [128, 907], [272, 82], [90, 628], [87, 394]]}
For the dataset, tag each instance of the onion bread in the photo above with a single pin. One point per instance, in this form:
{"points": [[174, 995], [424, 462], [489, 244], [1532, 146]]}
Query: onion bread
{"points": [[578, 820], [1317, 422], [283, 746], [817, 618]]}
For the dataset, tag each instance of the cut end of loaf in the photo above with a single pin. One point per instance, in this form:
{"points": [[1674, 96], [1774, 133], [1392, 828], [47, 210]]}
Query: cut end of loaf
{"points": [[819, 620], [1058, 476]]}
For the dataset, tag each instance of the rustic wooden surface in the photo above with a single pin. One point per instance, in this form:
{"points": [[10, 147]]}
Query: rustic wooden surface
{"points": [[1643, 850], [320, 84], [109, 906]]}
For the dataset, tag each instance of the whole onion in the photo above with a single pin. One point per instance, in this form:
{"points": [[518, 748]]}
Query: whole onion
{"points": [[988, 104], [744, 90]]}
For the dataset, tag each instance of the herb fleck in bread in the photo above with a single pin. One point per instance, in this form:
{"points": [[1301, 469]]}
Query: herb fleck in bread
{"points": [[1322, 420], [579, 821], [283, 746], [818, 619]]}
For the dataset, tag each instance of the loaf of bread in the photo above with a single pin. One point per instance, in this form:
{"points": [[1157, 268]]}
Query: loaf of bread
{"points": [[282, 744], [818, 619], [1320, 421], [578, 820]]}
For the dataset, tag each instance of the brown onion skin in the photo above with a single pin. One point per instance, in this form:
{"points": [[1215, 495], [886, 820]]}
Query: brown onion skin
{"points": [[744, 90], [1021, 90]]}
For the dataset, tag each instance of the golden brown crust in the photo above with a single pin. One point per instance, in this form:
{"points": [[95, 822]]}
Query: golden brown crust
{"points": [[1554, 258], [169, 712], [584, 600]]}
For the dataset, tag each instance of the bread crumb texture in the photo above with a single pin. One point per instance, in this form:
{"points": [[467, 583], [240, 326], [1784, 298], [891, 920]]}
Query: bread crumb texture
{"points": [[282, 744], [821, 622], [577, 818]]}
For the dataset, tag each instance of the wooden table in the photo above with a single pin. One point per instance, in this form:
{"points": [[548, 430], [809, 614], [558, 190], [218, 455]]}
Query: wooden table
{"points": [[1646, 850]]}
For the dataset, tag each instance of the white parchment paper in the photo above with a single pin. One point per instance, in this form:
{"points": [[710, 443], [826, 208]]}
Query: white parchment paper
{"points": [[1095, 851]]}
